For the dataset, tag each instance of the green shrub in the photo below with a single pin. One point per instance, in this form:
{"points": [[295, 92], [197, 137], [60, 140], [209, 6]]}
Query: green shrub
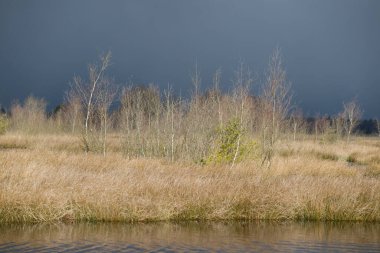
{"points": [[231, 142], [3, 124]]}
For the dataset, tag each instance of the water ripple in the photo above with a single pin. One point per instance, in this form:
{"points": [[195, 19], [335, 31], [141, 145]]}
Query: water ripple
{"points": [[192, 237]]}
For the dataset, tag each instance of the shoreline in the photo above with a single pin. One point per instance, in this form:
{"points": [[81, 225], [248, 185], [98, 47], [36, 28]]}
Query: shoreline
{"points": [[187, 221]]}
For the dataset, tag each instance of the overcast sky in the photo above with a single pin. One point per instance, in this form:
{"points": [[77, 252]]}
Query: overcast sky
{"points": [[331, 49]]}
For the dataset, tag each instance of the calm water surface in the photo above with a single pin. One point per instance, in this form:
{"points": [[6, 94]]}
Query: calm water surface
{"points": [[192, 237]]}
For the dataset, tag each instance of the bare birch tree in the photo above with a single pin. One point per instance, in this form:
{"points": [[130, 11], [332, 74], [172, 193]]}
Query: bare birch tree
{"points": [[276, 102], [88, 91], [352, 114], [216, 90], [73, 109], [25, 117], [196, 81], [242, 84], [297, 122], [338, 122], [105, 98], [322, 127]]}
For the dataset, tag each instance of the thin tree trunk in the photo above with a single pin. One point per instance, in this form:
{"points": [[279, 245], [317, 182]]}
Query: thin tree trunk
{"points": [[158, 130], [240, 131], [105, 133], [74, 121], [172, 135], [316, 129], [349, 133], [89, 106]]}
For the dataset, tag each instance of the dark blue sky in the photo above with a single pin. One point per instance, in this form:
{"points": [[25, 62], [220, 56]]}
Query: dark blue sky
{"points": [[331, 49]]}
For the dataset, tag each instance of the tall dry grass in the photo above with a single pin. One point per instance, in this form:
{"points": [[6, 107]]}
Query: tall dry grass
{"points": [[45, 178]]}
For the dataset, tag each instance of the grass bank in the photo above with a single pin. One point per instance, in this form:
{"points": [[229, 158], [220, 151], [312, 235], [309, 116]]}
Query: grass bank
{"points": [[47, 178]]}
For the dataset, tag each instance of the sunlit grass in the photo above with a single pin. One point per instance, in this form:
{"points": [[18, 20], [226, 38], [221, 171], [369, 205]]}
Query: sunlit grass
{"points": [[48, 178]]}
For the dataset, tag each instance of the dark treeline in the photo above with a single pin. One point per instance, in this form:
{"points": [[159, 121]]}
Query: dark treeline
{"points": [[366, 127]]}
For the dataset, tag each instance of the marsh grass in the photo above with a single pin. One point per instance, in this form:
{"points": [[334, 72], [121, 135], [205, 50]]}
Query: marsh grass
{"points": [[49, 181], [352, 158], [13, 142], [326, 156]]}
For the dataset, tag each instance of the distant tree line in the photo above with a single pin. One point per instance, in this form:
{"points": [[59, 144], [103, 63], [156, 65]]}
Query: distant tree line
{"points": [[366, 127]]}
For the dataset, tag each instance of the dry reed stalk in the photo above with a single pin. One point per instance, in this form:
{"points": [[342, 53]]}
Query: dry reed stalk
{"points": [[48, 182]]}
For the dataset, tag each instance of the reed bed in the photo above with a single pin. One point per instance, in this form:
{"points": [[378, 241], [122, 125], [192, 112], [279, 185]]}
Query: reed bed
{"points": [[47, 178]]}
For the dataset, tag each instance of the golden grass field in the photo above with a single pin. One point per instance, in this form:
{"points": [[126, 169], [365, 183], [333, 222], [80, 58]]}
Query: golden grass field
{"points": [[48, 178]]}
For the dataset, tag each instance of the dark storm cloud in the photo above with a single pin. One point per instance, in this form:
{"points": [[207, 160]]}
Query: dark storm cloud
{"points": [[331, 48]]}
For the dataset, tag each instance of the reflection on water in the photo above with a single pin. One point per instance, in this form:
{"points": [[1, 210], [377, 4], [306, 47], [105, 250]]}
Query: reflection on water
{"points": [[192, 237]]}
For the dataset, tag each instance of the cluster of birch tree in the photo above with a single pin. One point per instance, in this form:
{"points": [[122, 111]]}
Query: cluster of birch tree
{"points": [[153, 123]]}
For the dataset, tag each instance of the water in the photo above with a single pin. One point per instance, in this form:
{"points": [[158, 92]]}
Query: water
{"points": [[192, 237]]}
